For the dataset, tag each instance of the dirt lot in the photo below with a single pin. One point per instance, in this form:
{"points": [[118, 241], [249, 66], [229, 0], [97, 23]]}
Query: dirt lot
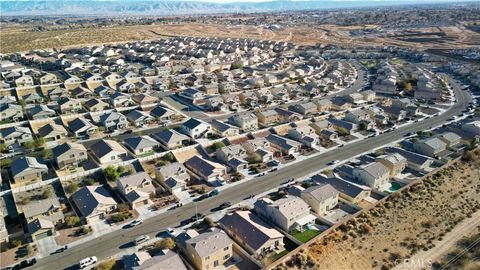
{"points": [[414, 220]]}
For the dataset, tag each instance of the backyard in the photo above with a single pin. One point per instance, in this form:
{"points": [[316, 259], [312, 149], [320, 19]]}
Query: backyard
{"points": [[305, 236]]}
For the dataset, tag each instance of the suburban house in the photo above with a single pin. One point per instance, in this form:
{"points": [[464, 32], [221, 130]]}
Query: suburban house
{"points": [[234, 156], [11, 112], [196, 128], [40, 111], [165, 260], [81, 127], [284, 145], [267, 117], [52, 132], [261, 147], [246, 122], [173, 177], [120, 100], [141, 145], [108, 151], [374, 175], [136, 188], [139, 118], [306, 108], [304, 134], [69, 154], [450, 138], [348, 191], [32, 98], [207, 170], [289, 213], [144, 99], [414, 161], [321, 198], [27, 170], [111, 121], [42, 216], [224, 129], [92, 203], [323, 105], [431, 147], [95, 105], [69, 105], [252, 233], [16, 134], [171, 139], [395, 163], [161, 113], [209, 250]]}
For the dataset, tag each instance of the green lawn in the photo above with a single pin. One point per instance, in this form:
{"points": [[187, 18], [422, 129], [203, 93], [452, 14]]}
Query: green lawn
{"points": [[289, 246], [305, 236]]}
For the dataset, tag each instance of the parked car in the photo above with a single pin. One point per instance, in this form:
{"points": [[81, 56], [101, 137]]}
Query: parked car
{"points": [[88, 261], [141, 239], [136, 222]]}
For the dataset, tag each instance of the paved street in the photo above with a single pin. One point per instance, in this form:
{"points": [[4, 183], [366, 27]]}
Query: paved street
{"points": [[109, 244]]}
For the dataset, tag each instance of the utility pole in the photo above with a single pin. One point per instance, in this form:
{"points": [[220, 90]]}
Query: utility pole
{"points": [[196, 214]]}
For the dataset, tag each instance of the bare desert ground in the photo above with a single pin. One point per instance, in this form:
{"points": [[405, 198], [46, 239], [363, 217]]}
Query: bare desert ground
{"points": [[23, 38], [409, 222]]}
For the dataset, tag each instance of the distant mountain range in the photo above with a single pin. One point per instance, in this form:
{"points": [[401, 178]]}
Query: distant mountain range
{"points": [[178, 7]]}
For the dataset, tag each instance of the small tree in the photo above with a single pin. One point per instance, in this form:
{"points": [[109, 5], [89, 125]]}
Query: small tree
{"points": [[343, 131], [28, 145], [46, 194], [111, 174], [71, 188], [121, 169], [217, 145], [106, 265], [16, 243], [47, 153], [88, 182], [4, 163], [254, 158], [40, 142], [3, 147], [86, 230], [170, 157], [72, 221]]}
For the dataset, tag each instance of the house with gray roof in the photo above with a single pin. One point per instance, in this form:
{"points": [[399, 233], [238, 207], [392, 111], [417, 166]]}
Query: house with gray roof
{"points": [[11, 112], [42, 216], [195, 128], [69, 154], [284, 145], [81, 127], [16, 134], [431, 147], [92, 203], [52, 132], [234, 156], [119, 99], [224, 129], [209, 250], [321, 198], [173, 176], [27, 170], [40, 111], [206, 170], [348, 191], [375, 175], [69, 105], [165, 260], [161, 113], [141, 145], [139, 118], [95, 105], [246, 122], [304, 134], [108, 151], [171, 139], [415, 161], [111, 121], [450, 138], [136, 188], [289, 213], [306, 108], [252, 233]]}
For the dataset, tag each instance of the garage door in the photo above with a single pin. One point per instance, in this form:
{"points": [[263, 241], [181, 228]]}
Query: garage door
{"points": [[43, 235]]}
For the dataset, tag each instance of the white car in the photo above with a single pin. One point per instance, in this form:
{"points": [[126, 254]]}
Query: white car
{"points": [[88, 261], [170, 231], [136, 222]]}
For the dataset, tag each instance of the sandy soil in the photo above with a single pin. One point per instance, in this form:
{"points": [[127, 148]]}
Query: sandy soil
{"points": [[415, 220]]}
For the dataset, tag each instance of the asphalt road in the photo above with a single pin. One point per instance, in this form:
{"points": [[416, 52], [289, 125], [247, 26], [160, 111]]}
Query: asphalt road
{"points": [[111, 243]]}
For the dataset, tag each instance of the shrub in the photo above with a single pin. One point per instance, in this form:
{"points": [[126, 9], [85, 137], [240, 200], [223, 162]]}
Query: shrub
{"points": [[47, 153], [71, 188], [86, 230], [88, 182], [111, 174], [170, 157], [29, 249], [167, 243], [4, 163], [72, 221], [46, 194], [120, 217], [217, 145], [16, 243], [106, 265]]}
